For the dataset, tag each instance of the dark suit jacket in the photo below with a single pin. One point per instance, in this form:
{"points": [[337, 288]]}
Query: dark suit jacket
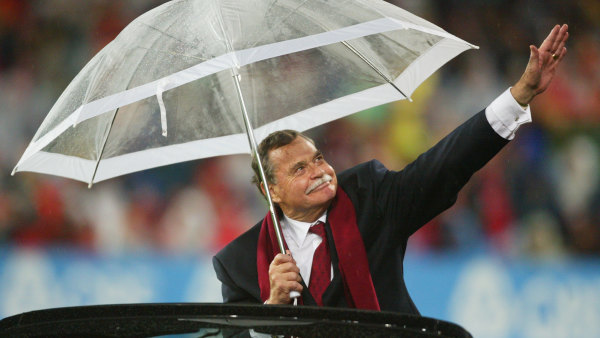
{"points": [[390, 206]]}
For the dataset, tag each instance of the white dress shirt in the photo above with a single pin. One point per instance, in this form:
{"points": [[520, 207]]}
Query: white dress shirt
{"points": [[505, 116], [302, 243]]}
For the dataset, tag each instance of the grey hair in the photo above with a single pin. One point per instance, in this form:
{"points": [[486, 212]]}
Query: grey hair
{"points": [[275, 140]]}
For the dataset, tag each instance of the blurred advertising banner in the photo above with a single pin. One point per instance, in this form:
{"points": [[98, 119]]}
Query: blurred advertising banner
{"points": [[31, 280], [488, 295], [494, 296]]}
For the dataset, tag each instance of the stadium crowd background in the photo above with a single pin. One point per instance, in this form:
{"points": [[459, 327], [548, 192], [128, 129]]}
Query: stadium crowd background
{"points": [[539, 198]]}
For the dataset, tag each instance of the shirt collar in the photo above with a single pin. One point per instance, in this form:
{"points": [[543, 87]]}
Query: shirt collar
{"points": [[298, 229]]}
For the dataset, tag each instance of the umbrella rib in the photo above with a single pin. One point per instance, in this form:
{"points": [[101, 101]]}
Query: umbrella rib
{"points": [[111, 125], [276, 26], [368, 62], [173, 53], [90, 87], [392, 41], [167, 34], [102, 149]]}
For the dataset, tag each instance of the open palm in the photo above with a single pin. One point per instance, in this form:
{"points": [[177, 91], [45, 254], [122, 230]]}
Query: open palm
{"points": [[542, 65]]}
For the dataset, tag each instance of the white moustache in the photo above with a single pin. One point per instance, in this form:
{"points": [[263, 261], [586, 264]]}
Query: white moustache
{"points": [[325, 178]]}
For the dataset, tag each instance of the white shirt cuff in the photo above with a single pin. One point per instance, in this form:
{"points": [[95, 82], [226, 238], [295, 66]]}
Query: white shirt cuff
{"points": [[505, 115]]}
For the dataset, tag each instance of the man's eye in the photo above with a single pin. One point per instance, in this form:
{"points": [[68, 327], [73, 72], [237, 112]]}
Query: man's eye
{"points": [[299, 169]]}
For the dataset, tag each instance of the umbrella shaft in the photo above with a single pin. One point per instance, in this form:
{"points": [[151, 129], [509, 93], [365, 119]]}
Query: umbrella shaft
{"points": [[254, 149]]}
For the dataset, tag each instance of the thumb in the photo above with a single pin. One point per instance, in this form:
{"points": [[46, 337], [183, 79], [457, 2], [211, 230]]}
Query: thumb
{"points": [[534, 55], [533, 66]]}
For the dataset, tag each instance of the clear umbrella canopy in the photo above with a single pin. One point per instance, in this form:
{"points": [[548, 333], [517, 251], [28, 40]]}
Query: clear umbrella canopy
{"points": [[164, 92]]}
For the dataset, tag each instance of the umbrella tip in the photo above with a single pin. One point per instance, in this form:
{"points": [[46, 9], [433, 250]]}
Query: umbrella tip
{"points": [[90, 185], [14, 171]]}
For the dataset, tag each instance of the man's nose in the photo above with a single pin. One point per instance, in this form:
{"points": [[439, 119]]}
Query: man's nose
{"points": [[316, 171]]}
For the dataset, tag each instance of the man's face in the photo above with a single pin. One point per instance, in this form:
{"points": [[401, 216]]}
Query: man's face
{"points": [[306, 183]]}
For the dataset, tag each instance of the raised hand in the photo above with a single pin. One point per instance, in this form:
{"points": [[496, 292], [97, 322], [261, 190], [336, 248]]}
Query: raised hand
{"points": [[542, 65]]}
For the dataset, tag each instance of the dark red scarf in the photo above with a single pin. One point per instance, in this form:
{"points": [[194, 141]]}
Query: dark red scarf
{"points": [[353, 264]]}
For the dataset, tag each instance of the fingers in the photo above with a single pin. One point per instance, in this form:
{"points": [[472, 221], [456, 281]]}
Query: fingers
{"points": [[561, 41], [284, 268], [562, 54], [282, 265], [559, 56], [563, 35], [280, 291], [556, 39], [281, 258], [284, 277], [286, 282], [290, 276], [548, 43]]}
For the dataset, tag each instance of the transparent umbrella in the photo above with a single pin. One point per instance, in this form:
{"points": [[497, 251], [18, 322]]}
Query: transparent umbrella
{"points": [[198, 78]]}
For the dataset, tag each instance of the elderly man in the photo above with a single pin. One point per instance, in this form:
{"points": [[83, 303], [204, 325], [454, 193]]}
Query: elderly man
{"points": [[347, 232]]}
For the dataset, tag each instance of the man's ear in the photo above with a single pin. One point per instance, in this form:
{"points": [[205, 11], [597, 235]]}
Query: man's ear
{"points": [[274, 196]]}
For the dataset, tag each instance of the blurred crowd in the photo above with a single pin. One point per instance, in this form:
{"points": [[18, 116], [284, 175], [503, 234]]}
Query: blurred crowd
{"points": [[540, 197]]}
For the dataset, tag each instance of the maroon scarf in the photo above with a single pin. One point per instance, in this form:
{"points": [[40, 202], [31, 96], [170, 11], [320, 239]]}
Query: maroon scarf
{"points": [[353, 264]]}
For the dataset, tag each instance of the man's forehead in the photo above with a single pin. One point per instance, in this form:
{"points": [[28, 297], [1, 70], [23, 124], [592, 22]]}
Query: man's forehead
{"points": [[293, 152]]}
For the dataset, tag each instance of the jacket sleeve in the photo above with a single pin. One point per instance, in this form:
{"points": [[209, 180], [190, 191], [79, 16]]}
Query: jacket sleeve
{"points": [[230, 291], [430, 184]]}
